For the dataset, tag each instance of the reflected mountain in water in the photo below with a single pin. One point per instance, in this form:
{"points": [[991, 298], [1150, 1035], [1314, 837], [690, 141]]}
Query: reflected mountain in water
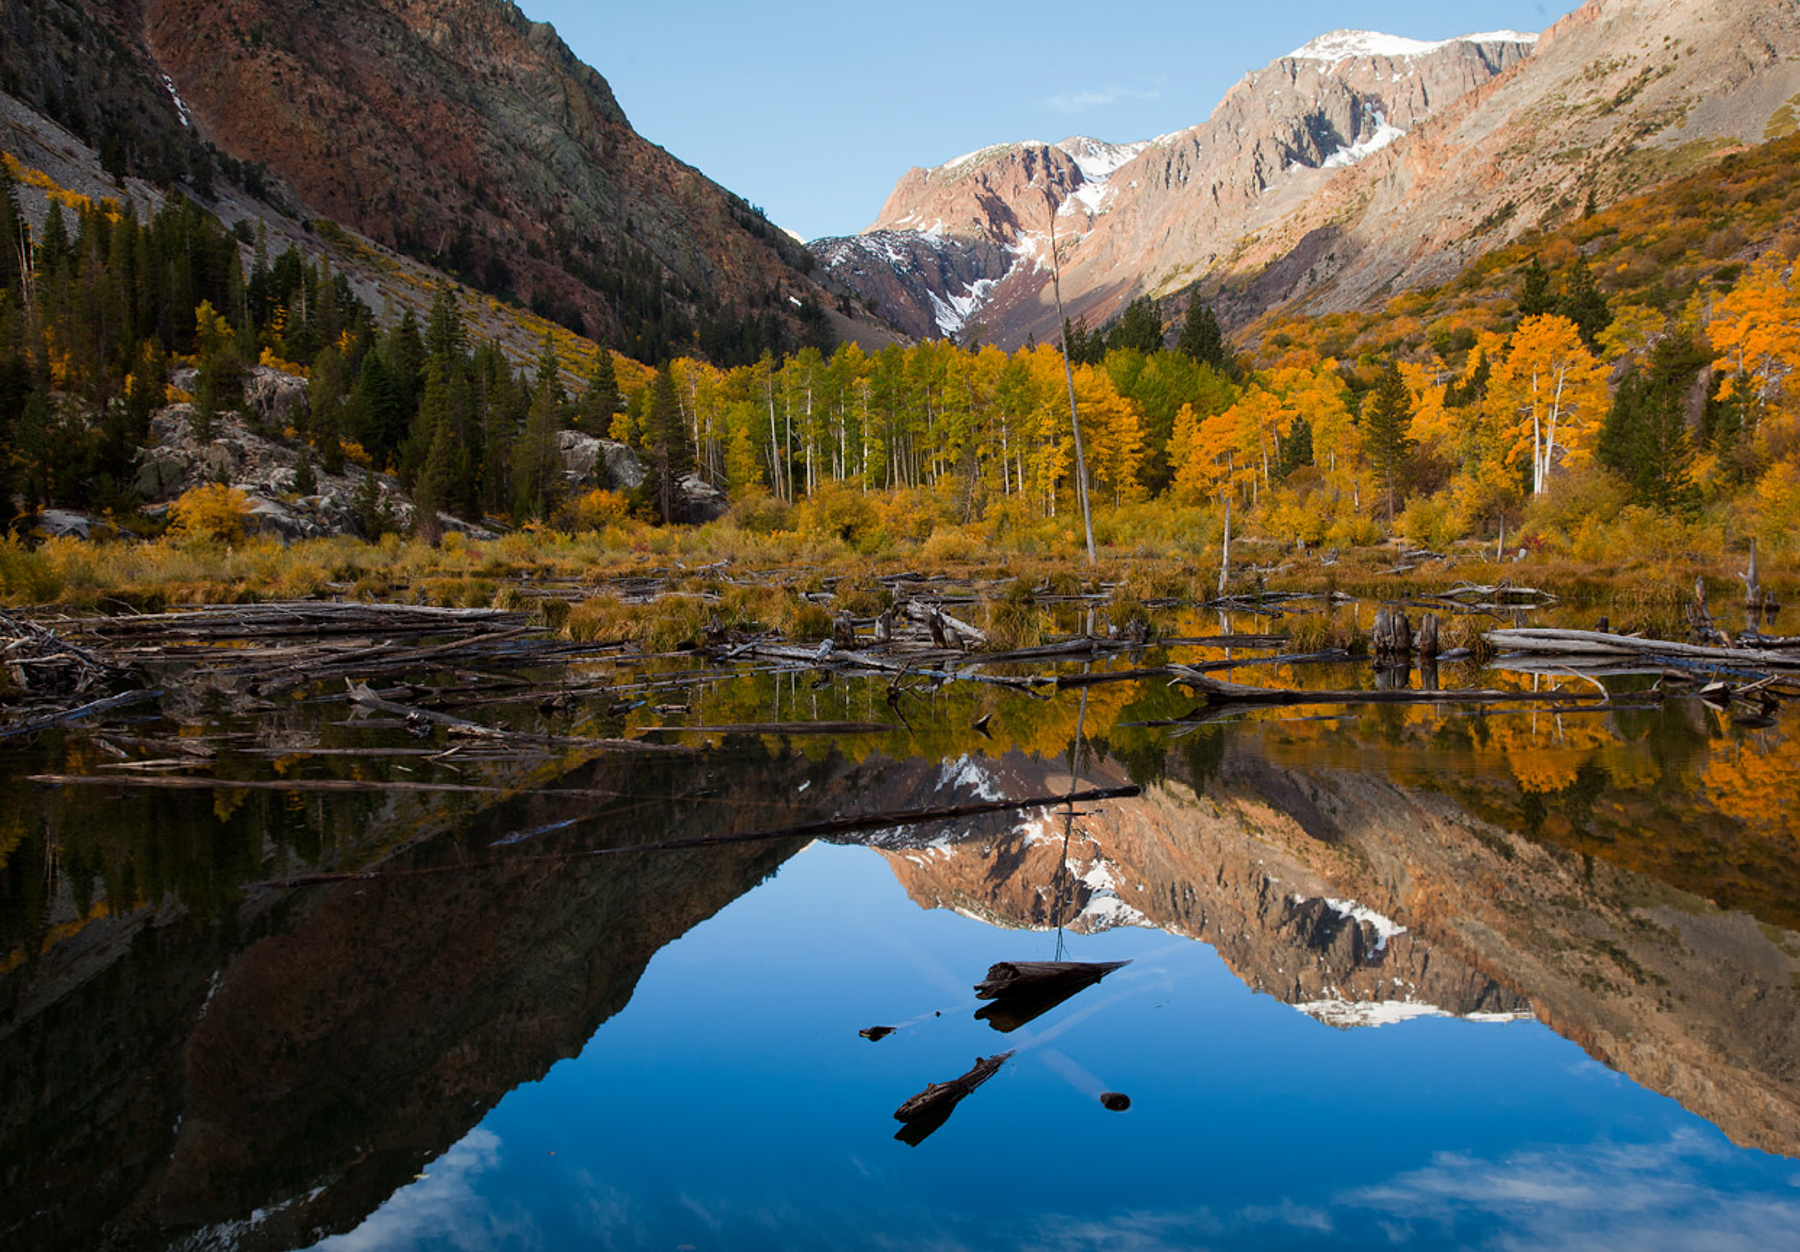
{"points": [[1363, 902], [269, 1070]]}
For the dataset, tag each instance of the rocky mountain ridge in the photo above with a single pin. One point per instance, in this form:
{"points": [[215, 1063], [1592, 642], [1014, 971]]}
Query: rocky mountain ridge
{"points": [[1358, 165], [457, 132]]}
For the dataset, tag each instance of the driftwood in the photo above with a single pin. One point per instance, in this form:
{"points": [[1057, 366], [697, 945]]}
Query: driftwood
{"points": [[92, 709], [1023, 991], [1219, 694], [1594, 643], [775, 728], [932, 1107], [362, 696], [1008, 978], [181, 782]]}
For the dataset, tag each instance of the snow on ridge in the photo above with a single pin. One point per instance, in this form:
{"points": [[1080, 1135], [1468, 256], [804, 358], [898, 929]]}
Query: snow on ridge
{"points": [[1385, 134], [181, 108], [1097, 159], [1341, 45], [987, 153], [1350, 1014]]}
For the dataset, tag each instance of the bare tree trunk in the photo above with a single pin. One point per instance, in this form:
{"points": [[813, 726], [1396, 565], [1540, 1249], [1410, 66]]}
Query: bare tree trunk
{"points": [[1081, 489]]}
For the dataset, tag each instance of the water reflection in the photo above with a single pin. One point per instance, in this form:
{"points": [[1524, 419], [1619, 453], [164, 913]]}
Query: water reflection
{"points": [[186, 1060]]}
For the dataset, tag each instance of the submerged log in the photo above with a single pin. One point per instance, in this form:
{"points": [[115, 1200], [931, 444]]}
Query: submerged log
{"points": [[1023, 991], [932, 1107], [1007, 978]]}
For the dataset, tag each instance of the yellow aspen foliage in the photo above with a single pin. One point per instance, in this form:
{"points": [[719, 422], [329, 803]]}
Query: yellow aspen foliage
{"points": [[1775, 508], [1755, 331], [210, 512], [1754, 783], [1634, 329], [1551, 393], [1433, 423], [211, 332]]}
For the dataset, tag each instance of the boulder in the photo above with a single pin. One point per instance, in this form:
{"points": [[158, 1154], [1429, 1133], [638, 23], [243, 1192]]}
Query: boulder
{"points": [[589, 461], [698, 501]]}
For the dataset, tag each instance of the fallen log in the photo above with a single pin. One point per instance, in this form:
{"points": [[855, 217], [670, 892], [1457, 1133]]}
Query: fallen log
{"points": [[775, 728], [1545, 641], [1007, 978], [1214, 693], [932, 1107], [91, 709], [1023, 991]]}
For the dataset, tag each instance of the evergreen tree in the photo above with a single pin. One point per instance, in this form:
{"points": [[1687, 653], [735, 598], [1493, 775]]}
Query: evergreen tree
{"points": [[1386, 419], [1474, 388], [536, 462], [1201, 340], [601, 400], [1139, 328], [1583, 303], [1535, 297], [1644, 440], [666, 437]]}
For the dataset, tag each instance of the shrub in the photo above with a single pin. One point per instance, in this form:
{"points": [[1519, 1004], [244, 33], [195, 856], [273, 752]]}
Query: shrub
{"points": [[210, 512]]}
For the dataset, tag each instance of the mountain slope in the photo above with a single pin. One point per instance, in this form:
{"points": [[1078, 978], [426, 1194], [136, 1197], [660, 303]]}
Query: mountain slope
{"points": [[1121, 210], [466, 135], [1362, 164]]}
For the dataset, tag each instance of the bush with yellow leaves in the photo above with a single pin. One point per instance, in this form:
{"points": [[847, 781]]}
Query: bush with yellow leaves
{"points": [[210, 512]]}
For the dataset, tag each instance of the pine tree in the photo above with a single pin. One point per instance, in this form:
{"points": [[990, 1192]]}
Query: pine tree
{"points": [[665, 435], [1644, 440], [1139, 328], [601, 399], [536, 461], [1386, 419], [1535, 297], [1201, 340], [1583, 303]]}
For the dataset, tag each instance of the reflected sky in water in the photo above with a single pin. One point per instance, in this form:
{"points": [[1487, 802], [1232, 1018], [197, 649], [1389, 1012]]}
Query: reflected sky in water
{"points": [[733, 1105]]}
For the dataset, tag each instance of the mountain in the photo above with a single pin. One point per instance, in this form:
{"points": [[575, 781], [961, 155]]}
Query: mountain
{"points": [[1357, 165], [455, 131], [1362, 900]]}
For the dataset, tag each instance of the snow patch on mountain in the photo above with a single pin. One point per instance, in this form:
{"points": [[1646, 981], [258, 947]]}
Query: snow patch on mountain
{"points": [[953, 312], [1097, 159], [1385, 928], [181, 108], [965, 774], [1385, 134], [1342, 45]]}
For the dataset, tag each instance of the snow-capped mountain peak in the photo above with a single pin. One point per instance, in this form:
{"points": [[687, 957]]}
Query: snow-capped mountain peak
{"points": [[1342, 45]]}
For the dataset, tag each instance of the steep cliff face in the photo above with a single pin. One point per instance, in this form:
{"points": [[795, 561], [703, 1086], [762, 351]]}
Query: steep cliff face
{"points": [[463, 133], [1364, 164]]}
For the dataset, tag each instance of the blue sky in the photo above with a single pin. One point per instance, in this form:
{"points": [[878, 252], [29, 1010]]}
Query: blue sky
{"points": [[813, 109]]}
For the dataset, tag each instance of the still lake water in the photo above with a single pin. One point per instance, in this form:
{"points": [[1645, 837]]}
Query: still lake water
{"points": [[1414, 976]]}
